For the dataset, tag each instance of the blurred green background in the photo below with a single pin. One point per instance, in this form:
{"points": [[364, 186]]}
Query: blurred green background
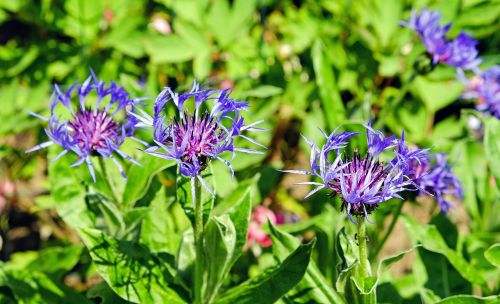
{"points": [[301, 64]]}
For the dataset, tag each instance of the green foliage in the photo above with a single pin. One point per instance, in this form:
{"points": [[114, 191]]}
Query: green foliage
{"points": [[275, 282], [131, 270], [301, 65]]}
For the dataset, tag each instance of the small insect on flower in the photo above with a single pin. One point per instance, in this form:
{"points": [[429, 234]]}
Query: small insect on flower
{"points": [[484, 86], [195, 138], [432, 175], [460, 52], [90, 131], [362, 182]]}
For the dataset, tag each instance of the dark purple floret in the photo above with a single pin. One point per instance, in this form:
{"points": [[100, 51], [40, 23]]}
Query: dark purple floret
{"points": [[363, 182], [460, 52], [435, 177], [91, 131], [485, 88], [193, 139]]}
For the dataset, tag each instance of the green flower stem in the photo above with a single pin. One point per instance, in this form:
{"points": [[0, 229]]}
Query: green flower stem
{"points": [[364, 266], [363, 257], [198, 239], [107, 180], [381, 243]]}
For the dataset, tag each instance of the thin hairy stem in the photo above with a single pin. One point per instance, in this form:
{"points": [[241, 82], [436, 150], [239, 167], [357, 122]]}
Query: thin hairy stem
{"points": [[198, 239]]}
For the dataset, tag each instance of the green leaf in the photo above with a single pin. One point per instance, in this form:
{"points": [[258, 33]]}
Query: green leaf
{"points": [[139, 178], [68, 191], [238, 205], [333, 106], [469, 299], [385, 16], [273, 284], [134, 217], [105, 293], [131, 270], [219, 241], [435, 93], [162, 228], [168, 49], [493, 254], [382, 267], [28, 58], [53, 261], [113, 217], [492, 147], [263, 91], [225, 237], [313, 288], [227, 22], [431, 240], [185, 257], [34, 287]]}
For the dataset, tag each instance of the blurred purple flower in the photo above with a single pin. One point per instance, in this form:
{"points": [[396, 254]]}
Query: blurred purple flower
{"points": [[460, 52], [362, 182], [193, 139], [433, 176], [485, 88], [90, 131]]}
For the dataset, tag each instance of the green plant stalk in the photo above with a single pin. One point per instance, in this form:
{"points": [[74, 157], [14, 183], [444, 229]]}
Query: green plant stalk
{"points": [[363, 256], [107, 180], [198, 239], [381, 243], [364, 267]]}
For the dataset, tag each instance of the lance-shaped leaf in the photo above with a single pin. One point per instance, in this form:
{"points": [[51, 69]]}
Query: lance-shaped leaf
{"points": [[469, 299], [219, 241], [429, 237], [225, 237], [274, 283], [492, 147], [328, 90], [313, 287]]}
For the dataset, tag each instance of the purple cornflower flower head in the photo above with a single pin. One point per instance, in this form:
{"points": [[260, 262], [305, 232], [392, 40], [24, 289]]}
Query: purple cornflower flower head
{"points": [[485, 88], [460, 52], [363, 182], [193, 139], [433, 176], [90, 131]]}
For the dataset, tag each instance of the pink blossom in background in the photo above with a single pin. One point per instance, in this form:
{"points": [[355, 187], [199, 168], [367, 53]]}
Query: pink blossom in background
{"points": [[256, 235]]}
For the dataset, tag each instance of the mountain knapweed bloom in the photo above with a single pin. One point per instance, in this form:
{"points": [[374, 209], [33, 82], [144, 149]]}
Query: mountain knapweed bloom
{"points": [[193, 139], [433, 175], [90, 131], [485, 88], [460, 52], [363, 182]]}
